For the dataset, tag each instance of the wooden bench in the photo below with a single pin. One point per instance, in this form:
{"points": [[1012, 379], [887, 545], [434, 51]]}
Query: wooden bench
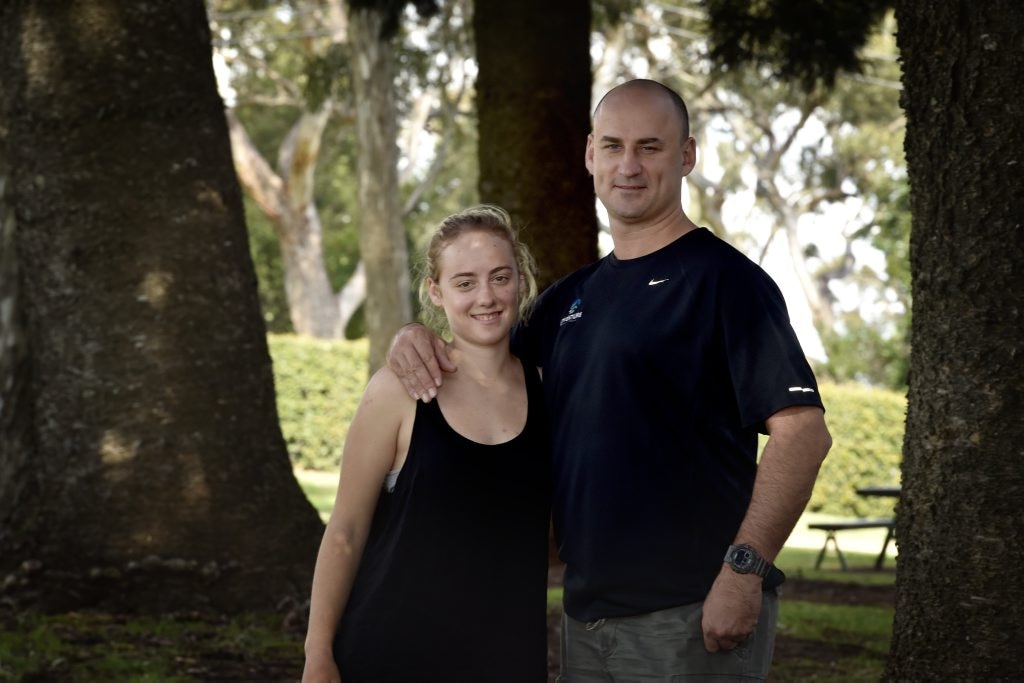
{"points": [[831, 528]]}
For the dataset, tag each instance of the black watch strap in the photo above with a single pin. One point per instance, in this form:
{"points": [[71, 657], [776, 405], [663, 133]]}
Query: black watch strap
{"points": [[744, 559], [774, 579]]}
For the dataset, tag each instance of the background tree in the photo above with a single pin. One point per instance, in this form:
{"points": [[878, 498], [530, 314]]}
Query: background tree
{"points": [[288, 74], [373, 25], [957, 608], [286, 195], [142, 465], [533, 103], [789, 175]]}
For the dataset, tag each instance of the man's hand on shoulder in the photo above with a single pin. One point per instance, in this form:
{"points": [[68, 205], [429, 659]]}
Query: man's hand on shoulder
{"points": [[417, 356], [731, 609]]}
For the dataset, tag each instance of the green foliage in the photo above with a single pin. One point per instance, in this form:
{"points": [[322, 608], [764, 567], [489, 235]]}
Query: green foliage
{"points": [[891, 231], [802, 40], [283, 61], [608, 13], [865, 353], [266, 259], [325, 74], [319, 384], [867, 440]]}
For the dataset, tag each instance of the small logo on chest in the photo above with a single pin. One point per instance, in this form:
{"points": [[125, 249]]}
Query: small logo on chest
{"points": [[656, 281], [574, 313]]}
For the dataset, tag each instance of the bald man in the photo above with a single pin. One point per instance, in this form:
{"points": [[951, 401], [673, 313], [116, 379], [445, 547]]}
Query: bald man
{"points": [[661, 363]]}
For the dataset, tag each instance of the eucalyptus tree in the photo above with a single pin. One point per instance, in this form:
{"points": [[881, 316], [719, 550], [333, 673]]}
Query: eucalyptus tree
{"points": [[341, 193], [815, 169], [141, 462]]}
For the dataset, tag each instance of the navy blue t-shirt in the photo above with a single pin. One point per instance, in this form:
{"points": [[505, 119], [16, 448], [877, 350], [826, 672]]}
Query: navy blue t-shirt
{"points": [[659, 372]]}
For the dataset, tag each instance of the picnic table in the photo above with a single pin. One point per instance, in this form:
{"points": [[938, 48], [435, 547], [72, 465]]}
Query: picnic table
{"points": [[832, 528], [892, 491]]}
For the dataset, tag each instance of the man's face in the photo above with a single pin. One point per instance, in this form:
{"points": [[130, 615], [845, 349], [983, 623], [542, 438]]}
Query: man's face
{"points": [[638, 157]]}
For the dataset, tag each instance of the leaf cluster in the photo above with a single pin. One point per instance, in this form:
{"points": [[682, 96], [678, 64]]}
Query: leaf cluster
{"points": [[392, 10], [319, 384], [807, 41], [867, 427]]}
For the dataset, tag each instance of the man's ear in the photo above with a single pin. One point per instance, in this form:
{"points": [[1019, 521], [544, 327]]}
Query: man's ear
{"points": [[588, 157], [689, 155]]}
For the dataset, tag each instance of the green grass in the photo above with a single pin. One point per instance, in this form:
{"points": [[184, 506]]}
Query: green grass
{"points": [[92, 646], [320, 488], [798, 563], [862, 625], [826, 642], [833, 642]]}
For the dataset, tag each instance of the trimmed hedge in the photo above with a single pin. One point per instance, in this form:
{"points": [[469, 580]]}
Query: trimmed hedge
{"points": [[867, 442], [319, 384]]}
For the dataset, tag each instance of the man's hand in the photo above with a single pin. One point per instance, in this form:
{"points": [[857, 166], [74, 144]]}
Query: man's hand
{"points": [[731, 609], [418, 356]]}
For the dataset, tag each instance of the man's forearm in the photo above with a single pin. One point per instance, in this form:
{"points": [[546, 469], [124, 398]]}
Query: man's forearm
{"points": [[797, 443]]}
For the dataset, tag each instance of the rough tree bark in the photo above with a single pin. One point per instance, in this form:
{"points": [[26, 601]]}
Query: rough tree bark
{"points": [[16, 480], [533, 99], [142, 466], [382, 242], [960, 597]]}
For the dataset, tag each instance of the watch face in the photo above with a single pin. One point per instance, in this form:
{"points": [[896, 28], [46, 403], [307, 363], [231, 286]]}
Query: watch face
{"points": [[742, 559]]}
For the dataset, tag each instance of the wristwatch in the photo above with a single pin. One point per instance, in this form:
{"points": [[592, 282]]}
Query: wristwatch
{"points": [[743, 559]]}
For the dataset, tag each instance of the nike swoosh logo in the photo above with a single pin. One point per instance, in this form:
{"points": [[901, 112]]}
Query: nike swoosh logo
{"points": [[657, 282]]}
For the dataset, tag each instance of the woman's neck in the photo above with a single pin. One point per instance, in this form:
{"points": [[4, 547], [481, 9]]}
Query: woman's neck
{"points": [[483, 364]]}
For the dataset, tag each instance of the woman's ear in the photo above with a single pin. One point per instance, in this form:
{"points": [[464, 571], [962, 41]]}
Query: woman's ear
{"points": [[435, 293]]}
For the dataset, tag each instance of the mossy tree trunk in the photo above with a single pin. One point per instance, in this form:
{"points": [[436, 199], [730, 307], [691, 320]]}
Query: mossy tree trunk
{"points": [[142, 465], [533, 99], [960, 597]]}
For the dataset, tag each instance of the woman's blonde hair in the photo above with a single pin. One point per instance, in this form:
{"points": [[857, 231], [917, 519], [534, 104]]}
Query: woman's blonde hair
{"points": [[485, 218]]}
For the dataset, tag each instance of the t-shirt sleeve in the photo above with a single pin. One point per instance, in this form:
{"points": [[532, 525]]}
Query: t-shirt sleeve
{"points": [[527, 340], [767, 367]]}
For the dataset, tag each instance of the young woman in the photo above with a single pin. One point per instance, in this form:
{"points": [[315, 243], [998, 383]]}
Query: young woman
{"points": [[433, 566]]}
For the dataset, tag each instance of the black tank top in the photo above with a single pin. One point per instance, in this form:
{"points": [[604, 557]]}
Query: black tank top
{"points": [[453, 581]]}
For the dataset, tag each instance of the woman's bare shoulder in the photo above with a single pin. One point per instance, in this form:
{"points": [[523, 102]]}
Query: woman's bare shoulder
{"points": [[386, 388]]}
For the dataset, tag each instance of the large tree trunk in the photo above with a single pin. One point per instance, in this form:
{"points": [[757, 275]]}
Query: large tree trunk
{"points": [[158, 476], [960, 596], [382, 242], [533, 99], [16, 480]]}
